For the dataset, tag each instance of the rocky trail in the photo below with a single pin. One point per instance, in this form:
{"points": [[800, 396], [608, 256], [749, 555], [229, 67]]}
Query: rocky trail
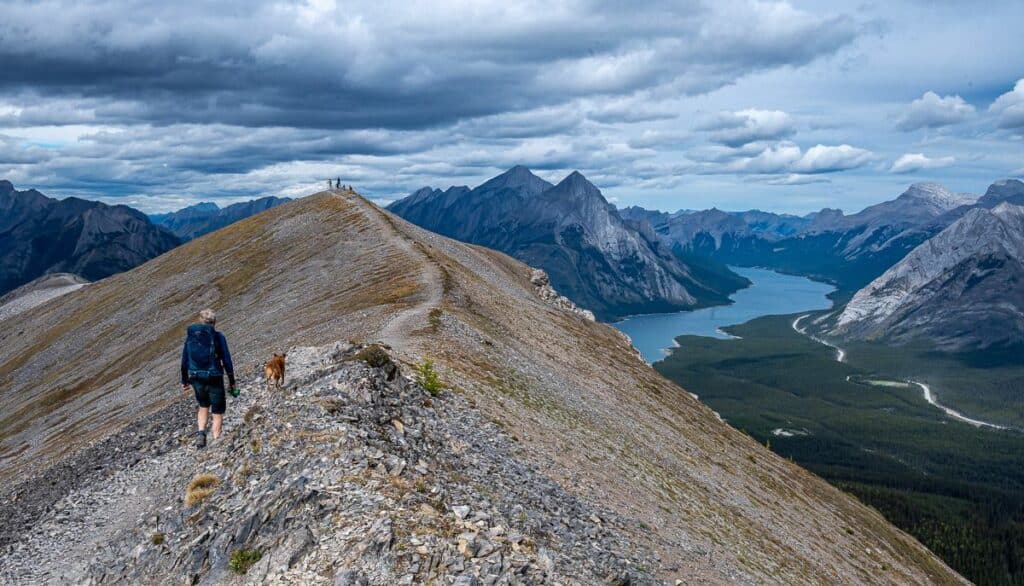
{"points": [[431, 284], [353, 474]]}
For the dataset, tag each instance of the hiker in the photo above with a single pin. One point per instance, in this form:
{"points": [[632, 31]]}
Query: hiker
{"points": [[205, 360], [337, 183]]}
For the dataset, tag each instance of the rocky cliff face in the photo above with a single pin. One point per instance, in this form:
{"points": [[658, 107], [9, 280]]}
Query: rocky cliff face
{"points": [[40, 235], [203, 218], [553, 454], [959, 289], [592, 255]]}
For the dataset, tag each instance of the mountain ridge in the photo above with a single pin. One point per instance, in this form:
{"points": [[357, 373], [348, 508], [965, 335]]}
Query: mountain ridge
{"points": [[846, 250], [709, 503], [205, 217]]}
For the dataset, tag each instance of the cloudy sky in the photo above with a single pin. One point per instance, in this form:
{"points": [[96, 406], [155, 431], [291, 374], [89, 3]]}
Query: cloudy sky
{"points": [[787, 106]]}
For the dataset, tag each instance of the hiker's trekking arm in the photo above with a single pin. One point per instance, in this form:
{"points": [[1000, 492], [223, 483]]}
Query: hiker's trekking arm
{"points": [[225, 358], [184, 365]]}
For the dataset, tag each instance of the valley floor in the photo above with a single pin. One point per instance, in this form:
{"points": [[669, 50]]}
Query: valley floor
{"points": [[957, 487], [926, 390]]}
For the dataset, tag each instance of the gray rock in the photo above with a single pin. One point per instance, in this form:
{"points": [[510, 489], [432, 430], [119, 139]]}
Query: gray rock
{"points": [[350, 578]]}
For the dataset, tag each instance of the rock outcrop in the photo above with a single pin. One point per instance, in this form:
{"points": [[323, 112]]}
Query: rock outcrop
{"points": [[353, 474], [546, 292]]}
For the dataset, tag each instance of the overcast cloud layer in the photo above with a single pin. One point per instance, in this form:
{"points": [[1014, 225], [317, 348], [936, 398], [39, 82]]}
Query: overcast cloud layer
{"points": [[736, 104]]}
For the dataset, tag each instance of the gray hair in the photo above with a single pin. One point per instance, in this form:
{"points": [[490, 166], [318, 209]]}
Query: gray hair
{"points": [[207, 316]]}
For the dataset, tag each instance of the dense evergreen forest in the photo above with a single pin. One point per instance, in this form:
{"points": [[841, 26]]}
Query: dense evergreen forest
{"points": [[957, 488]]}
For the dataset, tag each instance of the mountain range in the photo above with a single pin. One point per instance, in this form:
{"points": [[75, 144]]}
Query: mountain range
{"points": [[40, 235], [962, 288], [555, 454], [205, 217], [929, 265], [848, 250], [602, 261], [614, 262]]}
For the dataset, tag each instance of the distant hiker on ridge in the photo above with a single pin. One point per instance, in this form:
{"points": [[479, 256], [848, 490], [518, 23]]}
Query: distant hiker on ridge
{"points": [[337, 183], [205, 360]]}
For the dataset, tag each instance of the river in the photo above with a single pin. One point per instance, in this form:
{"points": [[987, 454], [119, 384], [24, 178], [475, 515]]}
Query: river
{"points": [[771, 293]]}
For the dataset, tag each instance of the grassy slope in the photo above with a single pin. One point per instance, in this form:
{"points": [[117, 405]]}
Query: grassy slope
{"points": [[957, 488]]}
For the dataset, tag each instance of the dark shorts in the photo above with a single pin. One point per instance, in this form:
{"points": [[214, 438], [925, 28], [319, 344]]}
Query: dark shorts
{"points": [[211, 394]]}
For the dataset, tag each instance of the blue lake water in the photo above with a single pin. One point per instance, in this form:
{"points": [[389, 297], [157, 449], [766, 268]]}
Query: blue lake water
{"points": [[771, 294]]}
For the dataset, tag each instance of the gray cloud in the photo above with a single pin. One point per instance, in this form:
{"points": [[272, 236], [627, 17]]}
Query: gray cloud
{"points": [[786, 159], [163, 104], [745, 126], [791, 179], [934, 111], [381, 64], [1009, 107], [912, 162], [14, 151]]}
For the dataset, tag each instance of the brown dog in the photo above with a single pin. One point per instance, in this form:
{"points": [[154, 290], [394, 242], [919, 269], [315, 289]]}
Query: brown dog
{"points": [[274, 371]]}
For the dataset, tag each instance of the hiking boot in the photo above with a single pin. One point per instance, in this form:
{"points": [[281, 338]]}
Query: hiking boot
{"points": [[200, 439]]}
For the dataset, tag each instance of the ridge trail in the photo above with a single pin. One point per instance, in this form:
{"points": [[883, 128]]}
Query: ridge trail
{"points": [[395, 332]]}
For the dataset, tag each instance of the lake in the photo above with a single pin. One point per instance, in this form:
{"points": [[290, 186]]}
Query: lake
{"points": [[771, 293]]}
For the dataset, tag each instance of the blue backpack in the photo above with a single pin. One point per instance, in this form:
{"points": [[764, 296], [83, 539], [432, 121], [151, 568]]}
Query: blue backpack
{"points": [[201, 348]]}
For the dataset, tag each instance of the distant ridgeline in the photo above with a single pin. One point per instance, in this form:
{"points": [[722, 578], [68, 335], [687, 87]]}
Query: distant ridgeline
{"points": [[40, 235], [203, 218]]}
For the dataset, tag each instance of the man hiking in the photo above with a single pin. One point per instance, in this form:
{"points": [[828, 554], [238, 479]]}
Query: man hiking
{"points": [[205, 360]]}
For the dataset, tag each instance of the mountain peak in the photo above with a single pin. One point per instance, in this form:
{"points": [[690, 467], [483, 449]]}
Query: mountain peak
{"points": [[422, 192], [6, 186], [577, 183], [518, 178], [937, 195], [519, 174], [1004, 190]]}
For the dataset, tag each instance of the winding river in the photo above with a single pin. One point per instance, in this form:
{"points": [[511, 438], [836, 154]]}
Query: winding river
{"points": [[926, 391]]}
